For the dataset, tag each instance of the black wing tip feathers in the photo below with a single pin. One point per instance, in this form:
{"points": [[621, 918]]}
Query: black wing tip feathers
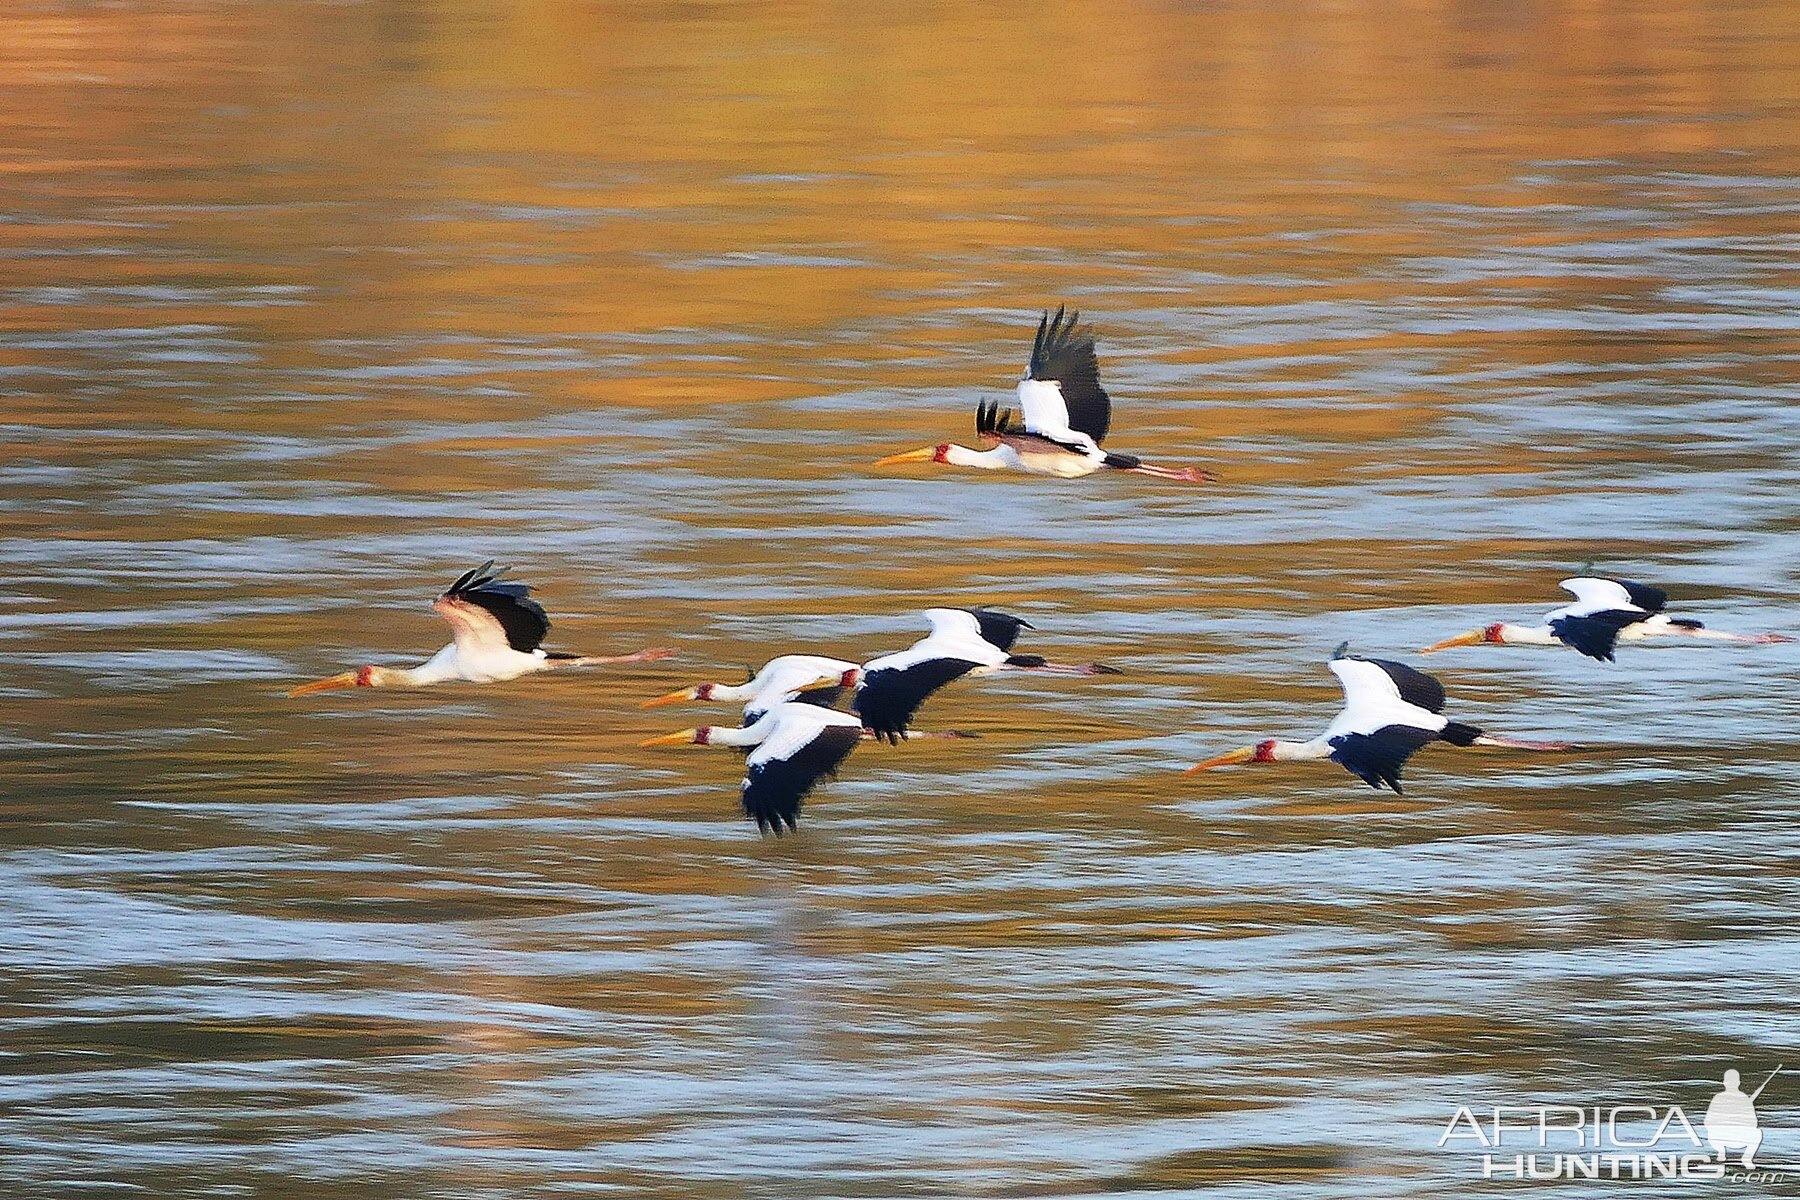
{"points": [[1054, 334], [486, 578], [522, 618], [1000, 629], [993, 421], [1650, 599], [1459, 734]]}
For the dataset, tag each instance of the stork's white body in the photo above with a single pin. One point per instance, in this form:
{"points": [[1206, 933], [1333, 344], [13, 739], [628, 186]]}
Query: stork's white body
{"points": [[1050, 460], [780, 680], [1371, 702], [475, 663], [955, 633]]}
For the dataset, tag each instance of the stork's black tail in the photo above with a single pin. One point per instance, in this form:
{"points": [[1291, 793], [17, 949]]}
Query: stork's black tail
{"points": [[1458, 734]]}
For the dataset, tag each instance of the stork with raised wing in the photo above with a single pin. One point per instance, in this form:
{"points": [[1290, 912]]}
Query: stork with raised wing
{"points": [[1605, 613], [1063, 416], [1390, 712], [497, 631]]}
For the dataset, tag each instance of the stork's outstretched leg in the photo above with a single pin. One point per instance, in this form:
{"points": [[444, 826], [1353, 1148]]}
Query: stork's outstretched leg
{"points": [[599, 660], [1032, 664], [1508, 743], [1184, 475], [1719, 635]]}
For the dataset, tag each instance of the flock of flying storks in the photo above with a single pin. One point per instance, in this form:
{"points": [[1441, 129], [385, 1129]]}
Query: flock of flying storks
{"points": [[796, 735]]}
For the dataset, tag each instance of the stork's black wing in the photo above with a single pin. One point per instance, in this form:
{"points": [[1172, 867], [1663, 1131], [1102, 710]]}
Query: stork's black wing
{"points": [[774, 787], [1650, 599], [824, 697], [1415, 687], [1376, 758], [1596, 634], [999, 629], [1070, 361], [992, 421], [523, 618], [891, 696]]}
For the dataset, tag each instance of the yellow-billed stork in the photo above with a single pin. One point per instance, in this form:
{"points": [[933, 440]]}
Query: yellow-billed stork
{"points": [[496, 631], [819, 679], [795, 746], [1605, 613], [1390, 712], [889, 690], [1063, 416]]}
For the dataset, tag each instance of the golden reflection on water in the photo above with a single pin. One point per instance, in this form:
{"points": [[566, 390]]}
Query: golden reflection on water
{"points": [[308, 306]]}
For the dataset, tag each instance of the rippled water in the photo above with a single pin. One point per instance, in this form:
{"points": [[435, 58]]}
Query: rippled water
{"points": [[306, 307]]}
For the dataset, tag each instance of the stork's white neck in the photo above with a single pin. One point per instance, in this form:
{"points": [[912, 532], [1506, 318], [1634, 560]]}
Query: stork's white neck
{"points": [[1319, 747], [997, 459], [439, 668], [730, 691], [749, 735], [1527, 635]]}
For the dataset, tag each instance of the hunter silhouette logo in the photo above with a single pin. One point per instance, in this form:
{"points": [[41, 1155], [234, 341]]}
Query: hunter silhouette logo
{"points": [[1731, 1119], [1621, 1141]]}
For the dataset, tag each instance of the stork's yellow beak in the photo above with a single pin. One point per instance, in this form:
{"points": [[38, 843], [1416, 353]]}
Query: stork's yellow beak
{"points": [[1242, 754], [823, 681], [1472, 638], [345, 680], [923, 455], [681, 697], [684, 737]]}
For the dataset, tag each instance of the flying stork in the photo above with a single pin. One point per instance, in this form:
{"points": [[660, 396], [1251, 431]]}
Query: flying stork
{"points": [[1064, 414], [889, 690], [810, 678], [962, 641], [1605, 612], [795, 746], [496, 629], [1390, 712]]}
